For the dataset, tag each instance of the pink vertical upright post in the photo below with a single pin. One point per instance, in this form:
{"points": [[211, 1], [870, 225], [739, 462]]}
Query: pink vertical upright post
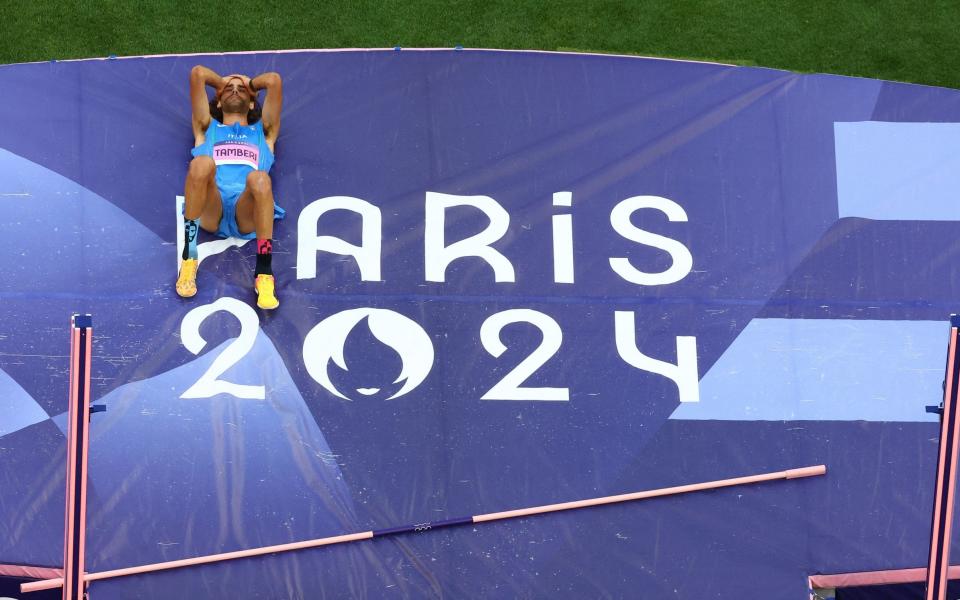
{"points": [[78, 428], [943, 499]]}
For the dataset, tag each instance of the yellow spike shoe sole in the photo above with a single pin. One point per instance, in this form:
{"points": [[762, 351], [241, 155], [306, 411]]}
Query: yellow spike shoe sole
{"points": [[264, 285], [187, 280]]}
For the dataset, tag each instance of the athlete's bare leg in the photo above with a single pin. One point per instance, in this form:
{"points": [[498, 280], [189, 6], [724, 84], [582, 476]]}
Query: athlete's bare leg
{"points": [[204, 205], [255, 213], [255, 206], [201, 197]]}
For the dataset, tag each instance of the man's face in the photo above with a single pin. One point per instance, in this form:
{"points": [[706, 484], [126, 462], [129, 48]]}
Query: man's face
{"points": [[235, 97]]}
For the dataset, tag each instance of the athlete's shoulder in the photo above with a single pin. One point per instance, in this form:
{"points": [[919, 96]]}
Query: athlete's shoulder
{"points": [[203, 138]]}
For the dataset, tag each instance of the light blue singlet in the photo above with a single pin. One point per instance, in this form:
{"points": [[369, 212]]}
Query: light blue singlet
{"points": [[237, 150]]}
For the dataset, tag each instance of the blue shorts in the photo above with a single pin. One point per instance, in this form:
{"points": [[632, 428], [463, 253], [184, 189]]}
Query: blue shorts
{"points": [[228, 221]]}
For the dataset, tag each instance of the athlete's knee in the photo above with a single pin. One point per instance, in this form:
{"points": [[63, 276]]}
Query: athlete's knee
{"points": [[259, 183], [202, 167]]}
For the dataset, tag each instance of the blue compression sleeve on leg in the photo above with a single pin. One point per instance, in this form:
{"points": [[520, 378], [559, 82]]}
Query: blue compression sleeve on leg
{"points": [[190, 229]]}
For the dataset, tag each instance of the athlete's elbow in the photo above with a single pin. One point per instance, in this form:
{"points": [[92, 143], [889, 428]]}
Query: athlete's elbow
{"points": [[270, 80]]}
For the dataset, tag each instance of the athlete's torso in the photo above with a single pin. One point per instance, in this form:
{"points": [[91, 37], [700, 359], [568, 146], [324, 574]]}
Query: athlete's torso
{"points": [[237, 150]]}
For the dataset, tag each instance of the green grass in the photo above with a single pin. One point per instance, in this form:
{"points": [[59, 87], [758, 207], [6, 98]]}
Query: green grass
{"points": [[904, 41]]}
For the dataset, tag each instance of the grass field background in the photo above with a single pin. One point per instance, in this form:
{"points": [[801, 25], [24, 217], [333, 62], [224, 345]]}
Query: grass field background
{"points": [[902, 41]]}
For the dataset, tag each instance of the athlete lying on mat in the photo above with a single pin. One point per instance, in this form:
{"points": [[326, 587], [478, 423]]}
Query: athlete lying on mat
{"points": [[228, 190]]}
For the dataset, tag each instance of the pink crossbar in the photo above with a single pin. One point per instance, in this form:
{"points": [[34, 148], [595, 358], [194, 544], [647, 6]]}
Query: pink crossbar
{"points": [[30, 572], [889, 577]]}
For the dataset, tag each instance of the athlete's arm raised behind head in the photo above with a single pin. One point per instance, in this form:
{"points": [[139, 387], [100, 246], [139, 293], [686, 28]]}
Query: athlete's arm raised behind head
{"points": [[270, 115], [200, 77]]}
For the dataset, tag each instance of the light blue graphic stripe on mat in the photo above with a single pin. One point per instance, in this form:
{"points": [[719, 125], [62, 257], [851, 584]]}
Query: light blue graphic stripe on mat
{"points": [[17, 408], [898, 171], [826, 370]]}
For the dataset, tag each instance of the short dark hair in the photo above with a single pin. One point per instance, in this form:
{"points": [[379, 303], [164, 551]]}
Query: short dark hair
{"points": [[253, 115]]}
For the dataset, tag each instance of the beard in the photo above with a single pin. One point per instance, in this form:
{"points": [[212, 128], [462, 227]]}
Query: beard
{"points": [[234, 104]]}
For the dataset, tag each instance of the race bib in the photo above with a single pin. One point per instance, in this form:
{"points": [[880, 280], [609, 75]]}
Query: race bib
{"points": [[236, 153]]}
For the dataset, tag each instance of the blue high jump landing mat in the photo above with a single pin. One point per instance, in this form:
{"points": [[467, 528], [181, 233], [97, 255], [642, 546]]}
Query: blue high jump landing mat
{"points": [[507, 279]]}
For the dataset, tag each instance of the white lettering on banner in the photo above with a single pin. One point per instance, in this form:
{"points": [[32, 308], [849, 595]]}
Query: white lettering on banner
{"points": [[563, 240], [684, 373], [509, 388], [682, 259], [326, 341], [367, 254], [438, 256], [208, 385]]}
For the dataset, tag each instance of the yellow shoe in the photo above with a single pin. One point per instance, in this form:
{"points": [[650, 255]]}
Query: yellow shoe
{"points": [[264, 286], [187, 281]]}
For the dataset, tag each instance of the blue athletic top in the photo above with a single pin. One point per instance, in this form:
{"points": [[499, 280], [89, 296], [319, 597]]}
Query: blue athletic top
{"points": [[237, 150]]}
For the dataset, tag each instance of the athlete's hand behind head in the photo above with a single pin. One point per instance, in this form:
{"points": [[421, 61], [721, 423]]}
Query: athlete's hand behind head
{"points": [[234, 76]]}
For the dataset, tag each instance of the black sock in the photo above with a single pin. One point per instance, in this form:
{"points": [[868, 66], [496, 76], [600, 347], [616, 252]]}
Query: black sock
{"points": [[264, 256]]}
